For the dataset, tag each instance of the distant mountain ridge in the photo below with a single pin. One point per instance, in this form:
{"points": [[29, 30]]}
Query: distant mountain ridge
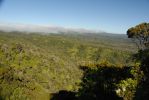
{"points": [[42, 28]]}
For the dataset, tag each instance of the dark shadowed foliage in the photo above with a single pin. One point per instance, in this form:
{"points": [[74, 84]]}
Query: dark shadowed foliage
{"points": [[141, 33], [97, 84], [64, 95], [142, 92]]}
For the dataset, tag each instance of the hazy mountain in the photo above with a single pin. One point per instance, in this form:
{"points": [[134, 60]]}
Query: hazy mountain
{"points": [[41, 28]]}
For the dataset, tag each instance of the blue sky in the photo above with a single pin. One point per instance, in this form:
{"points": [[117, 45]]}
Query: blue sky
{"points": [[114, 16]]}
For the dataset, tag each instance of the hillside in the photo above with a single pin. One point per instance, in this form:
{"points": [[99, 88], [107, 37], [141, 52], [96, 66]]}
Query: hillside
{"points": [[33, 66]]}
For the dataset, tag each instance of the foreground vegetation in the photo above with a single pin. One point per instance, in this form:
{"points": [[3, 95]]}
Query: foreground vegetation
{"points": [[67, 67]]}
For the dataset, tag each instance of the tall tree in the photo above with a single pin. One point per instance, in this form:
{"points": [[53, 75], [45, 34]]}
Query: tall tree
{"points": [[140, 35]]}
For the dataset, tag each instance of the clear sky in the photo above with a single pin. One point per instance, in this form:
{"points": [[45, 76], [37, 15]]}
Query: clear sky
{"points": [[114, 16]]}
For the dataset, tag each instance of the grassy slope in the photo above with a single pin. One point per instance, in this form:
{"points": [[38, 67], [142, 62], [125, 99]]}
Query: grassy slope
{"points": [[34, 65]]}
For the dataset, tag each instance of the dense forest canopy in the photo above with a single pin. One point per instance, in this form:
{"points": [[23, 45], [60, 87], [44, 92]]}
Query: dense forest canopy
{"points": [[74, 50], [73, 66]]}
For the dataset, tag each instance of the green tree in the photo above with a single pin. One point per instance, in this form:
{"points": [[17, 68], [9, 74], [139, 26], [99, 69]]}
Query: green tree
{"points": [[140, 35]]}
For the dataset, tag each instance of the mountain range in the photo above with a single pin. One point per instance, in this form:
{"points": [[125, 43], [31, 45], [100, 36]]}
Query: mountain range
{"points": [[8, 27]]}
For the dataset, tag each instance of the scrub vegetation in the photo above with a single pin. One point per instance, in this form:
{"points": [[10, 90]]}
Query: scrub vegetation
{"points": [[72, 66]]}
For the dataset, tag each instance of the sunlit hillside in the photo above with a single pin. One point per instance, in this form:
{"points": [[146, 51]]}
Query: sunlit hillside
{"points": [[33, 66]]}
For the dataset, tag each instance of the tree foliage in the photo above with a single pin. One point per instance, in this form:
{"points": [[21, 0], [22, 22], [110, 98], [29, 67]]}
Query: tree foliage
{"points": [[33, 66], [140, 34]]}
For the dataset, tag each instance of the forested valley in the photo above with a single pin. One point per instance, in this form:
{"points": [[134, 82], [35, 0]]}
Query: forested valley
{"points": [[74, 66]]}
